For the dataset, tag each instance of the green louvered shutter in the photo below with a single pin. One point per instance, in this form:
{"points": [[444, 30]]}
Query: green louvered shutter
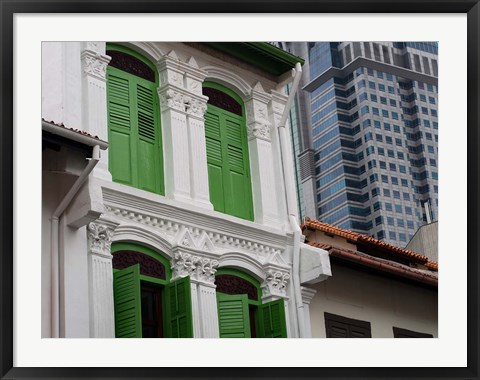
{"points": [[119, 109], [273, 319], [135, 155], [127, 302], [180, 309], [213, 140], [150, 170], [228, 164], [233, 317], [239, 198]]}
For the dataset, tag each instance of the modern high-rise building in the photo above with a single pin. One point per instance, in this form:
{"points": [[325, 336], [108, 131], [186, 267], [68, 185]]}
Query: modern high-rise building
{"points": [[365, 132]]}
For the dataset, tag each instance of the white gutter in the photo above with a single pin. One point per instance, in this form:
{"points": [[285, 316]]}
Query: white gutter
{"points": [[287, 166], [54, 244]]}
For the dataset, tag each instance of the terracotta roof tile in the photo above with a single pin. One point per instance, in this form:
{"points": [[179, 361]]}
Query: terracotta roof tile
{"points": [[391, 267], [365, 239], [61, 125]]}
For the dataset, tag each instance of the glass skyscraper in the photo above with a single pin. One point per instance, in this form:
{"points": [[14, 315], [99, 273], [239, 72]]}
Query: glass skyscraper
{"points": [[366, 136]]}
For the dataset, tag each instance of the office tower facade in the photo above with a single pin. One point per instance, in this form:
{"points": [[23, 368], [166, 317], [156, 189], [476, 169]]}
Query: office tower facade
{"points": [[370, 157]]}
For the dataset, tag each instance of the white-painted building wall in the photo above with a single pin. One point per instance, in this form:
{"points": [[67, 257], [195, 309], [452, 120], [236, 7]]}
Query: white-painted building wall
{"points": [[180, 223]]}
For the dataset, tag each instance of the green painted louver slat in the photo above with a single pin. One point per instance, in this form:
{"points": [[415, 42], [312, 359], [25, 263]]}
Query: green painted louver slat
{"points": [[180, 309], [273, 319], [233, 317], [127, 302], [227, 160]]}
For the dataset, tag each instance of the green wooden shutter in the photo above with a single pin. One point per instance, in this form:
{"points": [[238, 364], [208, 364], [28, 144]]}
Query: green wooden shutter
{"points": [[233, 317], [239, 199], [213, 140], [228, 164], [119, 111], [127, 302], [180, 309], [148, 162], [273, 319], [135, 149]]}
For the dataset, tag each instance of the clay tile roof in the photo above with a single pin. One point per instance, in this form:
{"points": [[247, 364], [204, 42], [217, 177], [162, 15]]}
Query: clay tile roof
{"points": [[61, 125], [424, 276], [432, 265], [365, 239]]}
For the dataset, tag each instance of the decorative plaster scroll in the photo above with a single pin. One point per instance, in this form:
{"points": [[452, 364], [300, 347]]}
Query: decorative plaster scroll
{"points": [[195, 107], [198, 268], [99, 239], [95, 64], [171, 99], [258, 124], [275, 283], [260, 131]]}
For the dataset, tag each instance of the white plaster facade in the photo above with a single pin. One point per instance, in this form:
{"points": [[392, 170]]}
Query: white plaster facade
{"points": [[383, 301], [182, 225]]}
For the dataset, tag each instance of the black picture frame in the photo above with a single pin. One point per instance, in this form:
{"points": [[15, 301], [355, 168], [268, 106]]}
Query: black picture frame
{"points": [[9, 7]]}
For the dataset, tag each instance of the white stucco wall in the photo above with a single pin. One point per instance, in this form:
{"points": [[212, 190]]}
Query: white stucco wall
{"points": [[383, 302], [73, 80]]}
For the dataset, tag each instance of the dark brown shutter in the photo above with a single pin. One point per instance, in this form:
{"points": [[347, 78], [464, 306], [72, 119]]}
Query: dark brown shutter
{"points": [[404, 333], [341, 327]]}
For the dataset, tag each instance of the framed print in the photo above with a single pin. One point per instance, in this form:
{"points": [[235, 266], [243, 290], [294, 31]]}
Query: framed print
{"points": [[179, 197]]}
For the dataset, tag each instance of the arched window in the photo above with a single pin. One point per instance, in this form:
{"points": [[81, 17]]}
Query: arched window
{"points": [[227, 152], [135, 137], [241, 313], [147, 304]]}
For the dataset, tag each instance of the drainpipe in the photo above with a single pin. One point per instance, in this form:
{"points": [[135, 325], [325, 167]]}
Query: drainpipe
{"points": [[54, 244], [287, 167]]}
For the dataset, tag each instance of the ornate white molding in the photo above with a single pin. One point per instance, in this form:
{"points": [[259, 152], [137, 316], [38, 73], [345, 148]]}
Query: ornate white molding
{"points": [[95, 64], [258, 124], [276, 283], [279, 101], [228, 78], [307, 294], [179, 100], [99, 239], [259, 131], [202, 238], [195, 107], [171, 99], [198, 268]]}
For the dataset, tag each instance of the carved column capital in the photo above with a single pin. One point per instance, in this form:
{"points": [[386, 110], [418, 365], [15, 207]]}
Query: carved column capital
{"points": [[259, 131], [275, 284], [258, 124], [201, 269], [171, 99], [99, 239], [94, 64]]}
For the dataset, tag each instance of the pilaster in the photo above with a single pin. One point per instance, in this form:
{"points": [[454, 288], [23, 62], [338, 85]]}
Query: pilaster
{"points": [[94, 96], [182, 107], [196, 106], [259, 129], [204, 300], [307, 295], [102, 322]]}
